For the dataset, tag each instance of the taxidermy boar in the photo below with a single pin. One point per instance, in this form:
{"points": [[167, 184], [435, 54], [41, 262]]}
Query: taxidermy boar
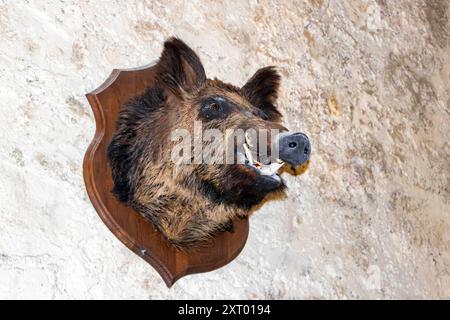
{"points": [[189, 201]]}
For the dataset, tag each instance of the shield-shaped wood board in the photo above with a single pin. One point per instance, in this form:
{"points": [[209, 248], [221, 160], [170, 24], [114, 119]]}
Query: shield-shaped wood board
{"points": [[127, 225]]}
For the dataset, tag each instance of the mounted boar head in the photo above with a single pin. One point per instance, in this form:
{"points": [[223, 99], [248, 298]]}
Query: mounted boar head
{"points": [[175, 184]]}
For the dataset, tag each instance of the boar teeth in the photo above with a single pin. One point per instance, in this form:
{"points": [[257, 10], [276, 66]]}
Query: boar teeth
{"points": [[265, 169], [271, 169], [248, 153], [276, 166]]}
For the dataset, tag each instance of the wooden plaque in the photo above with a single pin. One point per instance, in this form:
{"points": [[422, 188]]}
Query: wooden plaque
{"points": [[127, 225]]}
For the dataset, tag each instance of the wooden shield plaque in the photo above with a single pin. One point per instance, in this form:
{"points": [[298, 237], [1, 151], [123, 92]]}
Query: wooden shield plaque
{"points": [[127, 225]]}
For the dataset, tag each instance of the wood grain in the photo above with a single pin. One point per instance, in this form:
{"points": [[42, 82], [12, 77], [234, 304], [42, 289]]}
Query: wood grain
{"points": [[126, 224]]}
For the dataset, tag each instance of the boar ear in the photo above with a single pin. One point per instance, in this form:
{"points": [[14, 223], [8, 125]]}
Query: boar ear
{"points": [[179, 68], [262, 91]]}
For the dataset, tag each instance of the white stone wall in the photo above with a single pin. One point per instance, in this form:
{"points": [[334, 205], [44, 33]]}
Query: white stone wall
{"points": [[367, 80]]}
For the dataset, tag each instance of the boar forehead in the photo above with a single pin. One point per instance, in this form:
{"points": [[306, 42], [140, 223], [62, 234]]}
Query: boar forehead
{"points": [[228, 91]]}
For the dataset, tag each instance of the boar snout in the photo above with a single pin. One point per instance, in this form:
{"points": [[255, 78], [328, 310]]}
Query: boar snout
{"points": [[294, 148]]}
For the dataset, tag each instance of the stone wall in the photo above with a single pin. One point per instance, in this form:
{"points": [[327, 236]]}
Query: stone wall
{"points": [[367, 80]]}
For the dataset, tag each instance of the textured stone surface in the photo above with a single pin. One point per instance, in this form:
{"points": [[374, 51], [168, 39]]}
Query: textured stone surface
{"points": [[367, 80]]}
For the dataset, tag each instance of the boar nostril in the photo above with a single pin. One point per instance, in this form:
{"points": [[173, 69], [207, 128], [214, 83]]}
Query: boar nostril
{"points": [[306, 151], [292, 144]]}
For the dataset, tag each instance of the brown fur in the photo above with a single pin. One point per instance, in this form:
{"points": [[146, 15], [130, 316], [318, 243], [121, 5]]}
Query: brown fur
{"points": [[188, 203]]}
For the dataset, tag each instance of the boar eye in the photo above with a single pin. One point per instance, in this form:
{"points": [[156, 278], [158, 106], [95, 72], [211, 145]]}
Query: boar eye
{"points": [[214, 106]]}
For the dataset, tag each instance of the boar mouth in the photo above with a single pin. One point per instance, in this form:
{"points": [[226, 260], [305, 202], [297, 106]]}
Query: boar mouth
{"points": [[270, 169]]}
